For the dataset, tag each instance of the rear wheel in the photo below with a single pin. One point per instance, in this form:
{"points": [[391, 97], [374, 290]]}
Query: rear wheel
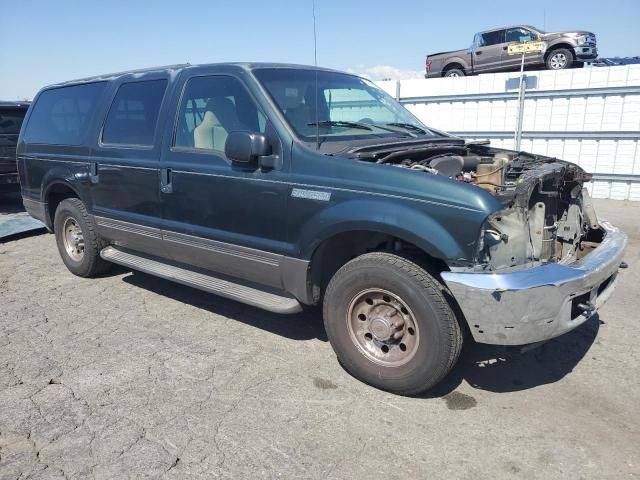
{"points": [[454, 72], [560, 59], [78, 242], [390, 324]]}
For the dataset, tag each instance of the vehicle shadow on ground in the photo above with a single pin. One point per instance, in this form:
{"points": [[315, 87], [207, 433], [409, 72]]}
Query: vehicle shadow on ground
{"points": [[509, 369], [305, 325], [485, 367]]}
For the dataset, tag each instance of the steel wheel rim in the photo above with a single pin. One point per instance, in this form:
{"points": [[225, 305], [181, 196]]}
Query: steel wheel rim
{"points": [[558, 60], [73, 239], [382, 327]]}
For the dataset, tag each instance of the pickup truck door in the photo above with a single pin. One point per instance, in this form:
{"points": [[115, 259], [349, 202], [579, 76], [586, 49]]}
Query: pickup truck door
{"points": [[487, 51], [219, 216], [520, 35]]}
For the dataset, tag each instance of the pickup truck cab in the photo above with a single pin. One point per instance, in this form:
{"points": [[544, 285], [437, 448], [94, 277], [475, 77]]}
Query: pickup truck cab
{"points": [[285, 186], [488, 52]]}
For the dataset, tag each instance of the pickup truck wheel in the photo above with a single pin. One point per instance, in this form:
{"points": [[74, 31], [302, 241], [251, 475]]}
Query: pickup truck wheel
{"points": [[78, 243], [560, 59], [454, 72], [390, 324]]}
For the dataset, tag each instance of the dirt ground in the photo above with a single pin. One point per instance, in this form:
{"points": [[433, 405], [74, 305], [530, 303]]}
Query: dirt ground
{"points": [[129, 376]]}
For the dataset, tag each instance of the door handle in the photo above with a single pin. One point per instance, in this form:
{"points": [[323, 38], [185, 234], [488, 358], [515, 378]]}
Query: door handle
{"points": [[506, 47], [93, 172], [165, 180], [478, 52]]}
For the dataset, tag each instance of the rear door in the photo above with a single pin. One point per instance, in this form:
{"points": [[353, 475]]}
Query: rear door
{"points": [[11, 118], [487, 55], [125, 165], [217, 215]]}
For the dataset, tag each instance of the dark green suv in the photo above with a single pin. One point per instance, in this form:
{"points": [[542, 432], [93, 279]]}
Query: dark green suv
{"points": [[284, 186]]}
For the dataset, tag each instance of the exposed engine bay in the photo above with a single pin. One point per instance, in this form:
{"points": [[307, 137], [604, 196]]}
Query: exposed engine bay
{"points": [[547, 217]]}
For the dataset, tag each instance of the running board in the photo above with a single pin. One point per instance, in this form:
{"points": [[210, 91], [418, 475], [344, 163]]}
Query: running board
{"points": [[272, 302]]}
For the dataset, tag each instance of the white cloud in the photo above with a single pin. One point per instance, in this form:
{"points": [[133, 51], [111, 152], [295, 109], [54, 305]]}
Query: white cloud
{"points": [[386, 72]]}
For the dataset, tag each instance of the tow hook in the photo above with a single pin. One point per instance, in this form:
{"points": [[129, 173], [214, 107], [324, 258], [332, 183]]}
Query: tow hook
{"points": [[624, 265], [586, 307]]}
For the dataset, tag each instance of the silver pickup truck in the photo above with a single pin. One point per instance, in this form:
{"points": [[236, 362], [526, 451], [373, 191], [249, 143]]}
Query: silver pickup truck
{"points": [[488, 53]]}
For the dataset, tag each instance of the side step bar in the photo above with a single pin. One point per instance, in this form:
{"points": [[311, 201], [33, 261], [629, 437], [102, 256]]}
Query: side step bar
{"points": [[272, 302]]}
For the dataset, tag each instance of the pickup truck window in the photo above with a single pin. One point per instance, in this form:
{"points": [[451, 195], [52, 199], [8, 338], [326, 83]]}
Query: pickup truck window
{"points": [[519, 35], [211, 108], [59, 114], [492, 38], [133, 115], [338, 106]]}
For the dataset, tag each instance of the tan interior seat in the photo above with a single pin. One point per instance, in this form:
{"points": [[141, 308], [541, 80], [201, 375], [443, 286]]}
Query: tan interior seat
{"points": [[219, 119]]}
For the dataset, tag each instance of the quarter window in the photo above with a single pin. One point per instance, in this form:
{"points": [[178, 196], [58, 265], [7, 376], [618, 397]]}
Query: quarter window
{"points": [[133, 115], [60, 115], [211, 108]]}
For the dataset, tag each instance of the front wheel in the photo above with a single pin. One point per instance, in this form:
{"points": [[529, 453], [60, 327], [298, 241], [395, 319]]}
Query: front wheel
{"points": [[390, 324], [560, 59]]}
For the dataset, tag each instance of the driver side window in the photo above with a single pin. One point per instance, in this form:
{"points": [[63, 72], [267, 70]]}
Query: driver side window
{"points": [[519, 35], [211, 108]]}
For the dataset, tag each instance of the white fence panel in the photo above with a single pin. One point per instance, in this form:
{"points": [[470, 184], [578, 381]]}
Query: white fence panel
{"points": [[589, 116]]}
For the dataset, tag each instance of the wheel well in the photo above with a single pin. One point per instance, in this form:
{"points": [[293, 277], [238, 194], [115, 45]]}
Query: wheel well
{"points": [[335, 251], [566, 46], [450, 66], [54, 196]]}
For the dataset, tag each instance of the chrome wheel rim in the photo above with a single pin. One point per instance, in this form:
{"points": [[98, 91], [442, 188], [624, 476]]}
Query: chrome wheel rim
{"points": [[73, 239], [453, 74], [558, 61], [383, 327]]}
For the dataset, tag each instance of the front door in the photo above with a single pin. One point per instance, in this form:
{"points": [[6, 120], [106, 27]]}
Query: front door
{"points": [[125, 165], [520, 35], [487, 53], [219, 216]]}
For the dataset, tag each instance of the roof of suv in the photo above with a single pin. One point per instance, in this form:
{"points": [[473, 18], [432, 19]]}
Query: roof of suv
{"points": [[178, 67]]}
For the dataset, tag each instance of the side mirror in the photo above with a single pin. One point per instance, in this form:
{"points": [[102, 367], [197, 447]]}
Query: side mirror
{"points": [[246, 147]]}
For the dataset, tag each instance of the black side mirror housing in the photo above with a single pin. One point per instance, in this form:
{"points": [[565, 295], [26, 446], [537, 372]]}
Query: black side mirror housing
{"points": [[246, 147]]}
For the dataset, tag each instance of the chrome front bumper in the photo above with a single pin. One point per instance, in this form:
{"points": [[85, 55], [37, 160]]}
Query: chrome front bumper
{"points": [[585, 52], [538, 303]]}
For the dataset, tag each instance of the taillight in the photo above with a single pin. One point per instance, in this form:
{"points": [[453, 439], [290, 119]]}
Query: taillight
{"points": [[427, 65]]}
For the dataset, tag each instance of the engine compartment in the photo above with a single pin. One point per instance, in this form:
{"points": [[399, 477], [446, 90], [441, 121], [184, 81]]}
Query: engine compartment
{"points": [[547, 212]]}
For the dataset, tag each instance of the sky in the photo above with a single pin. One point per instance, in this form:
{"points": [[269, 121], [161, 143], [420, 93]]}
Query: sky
{"points": [[46, 41]]}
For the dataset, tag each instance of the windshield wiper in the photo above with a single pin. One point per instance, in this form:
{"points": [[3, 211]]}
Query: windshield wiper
{"points": [[339, 123], [407, 126]]}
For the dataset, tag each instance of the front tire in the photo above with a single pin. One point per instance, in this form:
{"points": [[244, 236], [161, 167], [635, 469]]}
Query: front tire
{"points": [[390, 324], [77, 239], [560, 59]]}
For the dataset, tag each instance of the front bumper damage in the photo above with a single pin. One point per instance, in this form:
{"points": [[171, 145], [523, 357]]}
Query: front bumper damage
{"points": [[539, 303]]}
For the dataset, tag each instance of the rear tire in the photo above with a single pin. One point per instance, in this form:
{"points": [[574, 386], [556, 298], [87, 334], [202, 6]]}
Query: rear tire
{"points": [[77, 239], [559, 59], [454, 72], [390, 324]]}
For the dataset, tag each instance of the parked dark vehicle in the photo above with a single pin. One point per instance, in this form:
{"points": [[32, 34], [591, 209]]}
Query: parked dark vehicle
{"points": [[11, 117], [488, 52], [284, 186]]}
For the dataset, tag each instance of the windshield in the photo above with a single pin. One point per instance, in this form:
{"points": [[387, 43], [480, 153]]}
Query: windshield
{"points": [[337, 106], [11, 120]]}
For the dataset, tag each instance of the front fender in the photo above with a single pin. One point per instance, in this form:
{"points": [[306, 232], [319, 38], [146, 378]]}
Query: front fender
{"points": [[453, 241]]}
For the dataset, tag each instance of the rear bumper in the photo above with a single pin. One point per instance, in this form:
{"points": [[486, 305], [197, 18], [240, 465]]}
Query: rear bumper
{"points": [[586, 52], [539, 303], [9, 181]]}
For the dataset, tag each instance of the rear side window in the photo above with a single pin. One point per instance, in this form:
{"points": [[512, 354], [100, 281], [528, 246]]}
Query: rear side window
{"points": [[493, 38], [133, 115], [60, 115], [11, 120]]}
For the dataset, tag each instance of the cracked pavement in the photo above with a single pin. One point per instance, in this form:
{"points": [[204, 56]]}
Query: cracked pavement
{"points": [[129, 376]]}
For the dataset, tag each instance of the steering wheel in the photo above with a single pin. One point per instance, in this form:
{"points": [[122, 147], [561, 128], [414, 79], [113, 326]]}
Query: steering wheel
{"points": [[366, 120]]}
